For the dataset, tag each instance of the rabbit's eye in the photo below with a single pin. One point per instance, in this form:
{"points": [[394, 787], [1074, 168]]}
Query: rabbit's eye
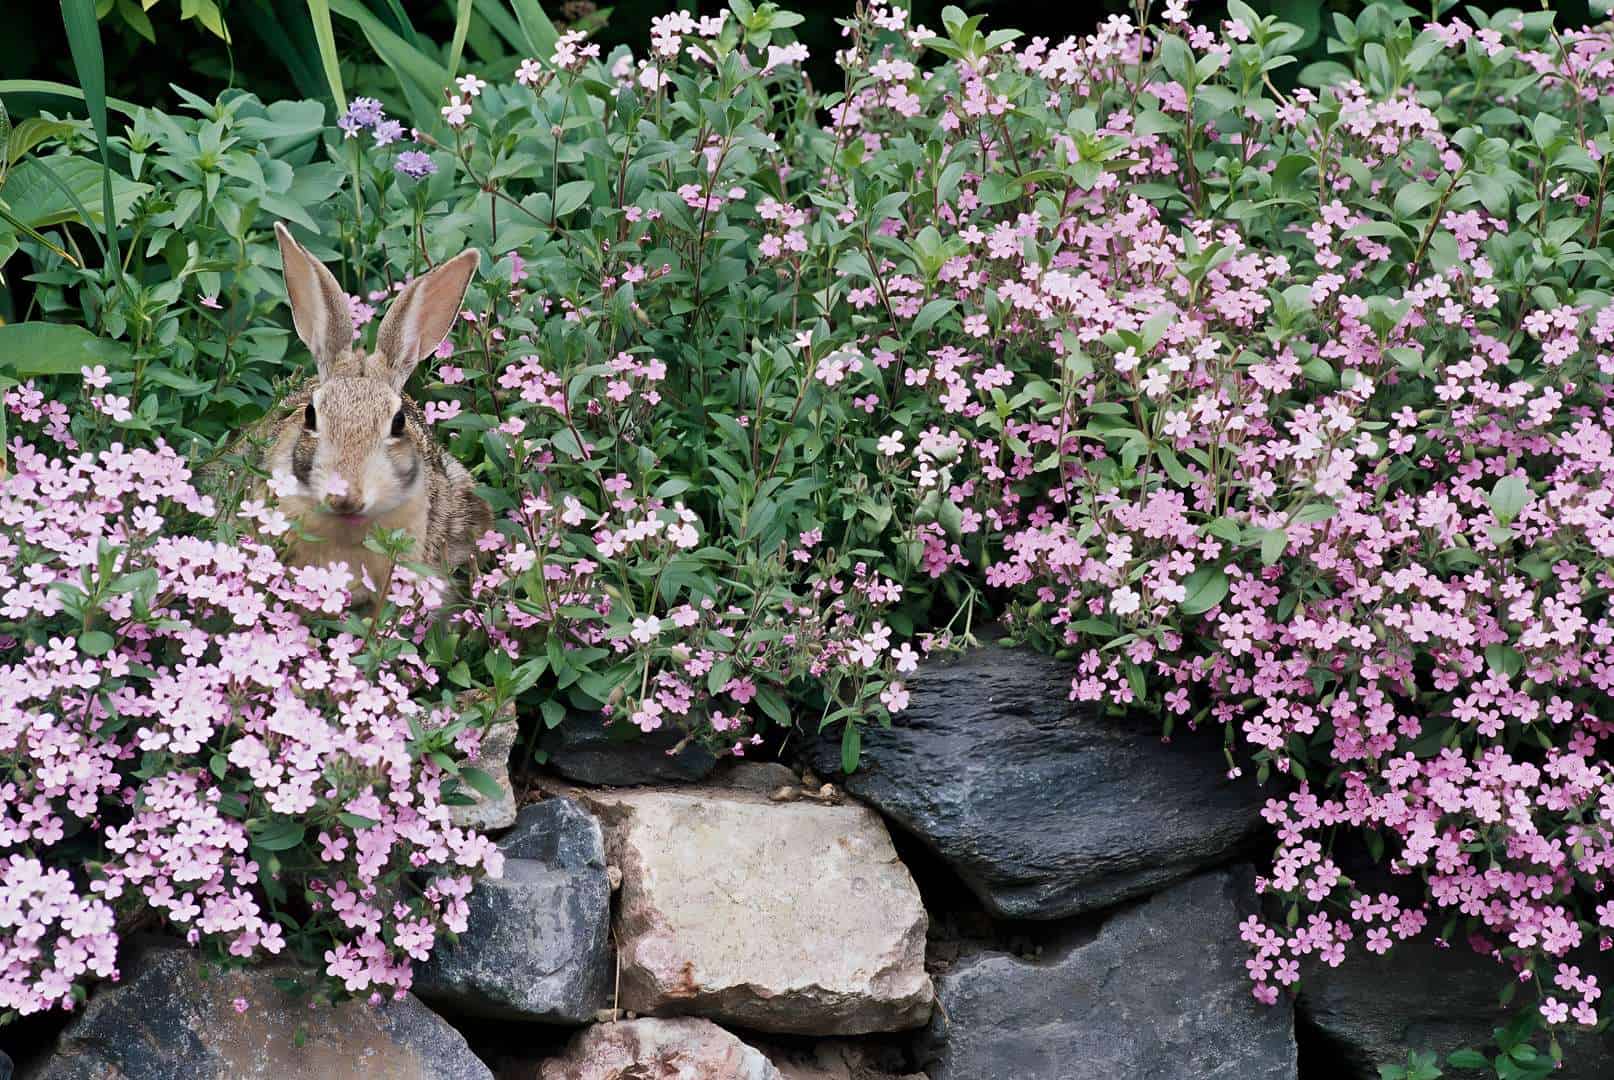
{"points": [[308, 416], [398, 424]]}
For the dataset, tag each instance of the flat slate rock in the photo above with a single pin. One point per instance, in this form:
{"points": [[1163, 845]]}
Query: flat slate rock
{"points": [[587, 751], [163, 1021], [538, 942], [1160, 993], [1042, 807], [782, 917], [685, 1048], [1372, 1010]]}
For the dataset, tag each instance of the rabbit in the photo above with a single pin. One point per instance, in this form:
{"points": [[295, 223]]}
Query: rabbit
{"points": [[358, 454]]}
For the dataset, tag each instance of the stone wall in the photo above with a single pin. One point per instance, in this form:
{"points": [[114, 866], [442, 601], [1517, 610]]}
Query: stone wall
{"points": [[1009, 889]]}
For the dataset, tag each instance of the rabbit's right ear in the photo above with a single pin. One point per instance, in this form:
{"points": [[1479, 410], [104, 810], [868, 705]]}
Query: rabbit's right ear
{"points": [[319, 308]]}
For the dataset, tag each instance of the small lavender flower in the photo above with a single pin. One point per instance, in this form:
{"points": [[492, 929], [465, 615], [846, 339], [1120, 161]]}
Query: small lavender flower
{"points": [[387, 132], [365, 111], [415, 163]]}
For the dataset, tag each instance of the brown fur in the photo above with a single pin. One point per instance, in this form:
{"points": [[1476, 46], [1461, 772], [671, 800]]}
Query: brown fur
{"points": [[407, 481]]}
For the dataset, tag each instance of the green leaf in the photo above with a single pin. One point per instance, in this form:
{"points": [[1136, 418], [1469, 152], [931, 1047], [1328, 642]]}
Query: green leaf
{"points": [[540, 32], [1504, 660], [45, 86], [356, 821], [1508, 497], [1272, 545], [572, 194], [35, 192], [84, 42], [96, 642], [484, 784], [1467, 1059], [462, 25], [931, 313], [31, 349], [1206, 588], [851, 747], [276, 835], [319, 13]]}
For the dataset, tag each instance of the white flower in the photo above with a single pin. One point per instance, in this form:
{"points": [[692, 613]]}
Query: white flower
{"points": [[646, 630], [470, 85], [284, 484], [1123, 601], [456, 112]]}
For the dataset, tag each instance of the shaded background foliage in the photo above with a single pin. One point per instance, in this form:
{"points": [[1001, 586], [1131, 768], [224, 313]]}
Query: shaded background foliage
{"points": [[272, 47], [273, 53]]}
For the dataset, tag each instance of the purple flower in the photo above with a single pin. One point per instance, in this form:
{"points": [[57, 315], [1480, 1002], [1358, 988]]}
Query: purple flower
{"points": [[366, 112], [415, 163], [388, 131]]}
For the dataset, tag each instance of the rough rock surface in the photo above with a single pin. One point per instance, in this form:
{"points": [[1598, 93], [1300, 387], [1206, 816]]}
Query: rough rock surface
{"points": [[1159, 993], [789, 917], [163, 1021], [1042, 807], [493, 758], [678, 1049], [583, 749], [1372, 1010], [763, 777], [538, 943], [837, 1059]]}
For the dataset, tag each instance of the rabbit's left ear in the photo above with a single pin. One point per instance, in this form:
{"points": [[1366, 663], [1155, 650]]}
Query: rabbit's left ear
{"points": [[423, 315], [319, 308]]}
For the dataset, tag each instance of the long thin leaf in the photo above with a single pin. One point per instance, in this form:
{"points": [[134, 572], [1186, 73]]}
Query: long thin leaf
{"points": [[34, 234], [319, 13], [462, 23], [84, 42], [541, 33], [499, 18], [280, 31], [406, 28], [83, 211], [421, 77], [45, 86]]}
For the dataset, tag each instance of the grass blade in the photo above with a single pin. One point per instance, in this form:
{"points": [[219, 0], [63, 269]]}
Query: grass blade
{"points": [[35, 235], [45, 86], [501, 21], [421, 76], [281, 28], [462, 23], [541, 34], [319, 13], [84, 42], [405, 28]]}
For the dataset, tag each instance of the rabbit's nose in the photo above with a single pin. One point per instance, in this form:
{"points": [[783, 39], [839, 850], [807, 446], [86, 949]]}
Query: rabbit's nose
{"points": [[344, 504]]}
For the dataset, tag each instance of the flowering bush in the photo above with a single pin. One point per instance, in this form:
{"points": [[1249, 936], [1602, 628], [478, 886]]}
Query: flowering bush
{"points": [[1278, 409], [181, 747]]}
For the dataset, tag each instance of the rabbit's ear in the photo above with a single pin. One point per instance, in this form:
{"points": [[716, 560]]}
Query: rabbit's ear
{"points": [[423, 314], [319, 308]]}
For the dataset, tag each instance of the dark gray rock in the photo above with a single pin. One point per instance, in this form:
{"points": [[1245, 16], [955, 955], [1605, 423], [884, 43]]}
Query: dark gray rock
{"points": [[164, 1021], [584, 750], [1160, 993], [1044, 808], [5, 1066], [1372, 1010], [538, 943]]}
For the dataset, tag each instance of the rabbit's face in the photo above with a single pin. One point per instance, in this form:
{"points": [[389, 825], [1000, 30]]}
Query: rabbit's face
{"points": [[355, 458]]}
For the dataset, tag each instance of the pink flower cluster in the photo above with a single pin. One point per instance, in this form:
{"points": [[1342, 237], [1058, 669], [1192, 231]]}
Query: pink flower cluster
{"points": [[175, 730]]}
